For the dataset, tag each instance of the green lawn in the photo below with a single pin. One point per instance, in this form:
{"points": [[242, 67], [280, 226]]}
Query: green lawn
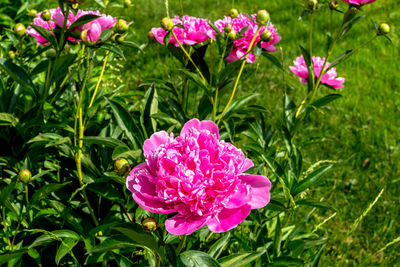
{"points": [[360, 131]]}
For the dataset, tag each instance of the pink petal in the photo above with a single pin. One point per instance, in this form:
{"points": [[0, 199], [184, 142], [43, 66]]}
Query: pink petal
{"points": [[260, 186], [179, 225], [239, 198], [200, 125], [228, 219], [155, 140]]}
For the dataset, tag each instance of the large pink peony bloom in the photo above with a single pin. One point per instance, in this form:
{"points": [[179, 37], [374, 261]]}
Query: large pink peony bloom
{"points": [[359, 2], [93, 28], [240, 46], [196, 30], [97, 26], [198, 177], [330, 78]]}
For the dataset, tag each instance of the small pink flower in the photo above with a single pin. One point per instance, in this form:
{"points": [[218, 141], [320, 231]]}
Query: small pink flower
{"points": [[97, 26], [195, 31], [240, 46], [359, 2], [329, 78], [48, 25], [198, 177]]}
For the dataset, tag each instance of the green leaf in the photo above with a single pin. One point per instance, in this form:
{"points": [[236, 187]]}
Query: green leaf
{"points": [[105, 35], [285, 261], [113, 48], [5, 192], [135, 233], [194, 258], [10, 256], [45, 190], [311, 179], [272, 59], [314, 203], [317, 257], [47, 237], [240, 259], [7, 119], [126, 123], [103, 141], [309, 63], [278, 237], [83, 20], [111, 243], [216, 249], [65, 248], [46, 34], [323, 101], [194, 77], [150, 108], [62, 64], [17, 73]]}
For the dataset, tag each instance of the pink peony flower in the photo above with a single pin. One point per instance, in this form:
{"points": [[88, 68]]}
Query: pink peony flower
{"points": [[330, 77], [359, 2], [94, 28], [240, 46], [97, 26], [196, 30], [198, 177]]}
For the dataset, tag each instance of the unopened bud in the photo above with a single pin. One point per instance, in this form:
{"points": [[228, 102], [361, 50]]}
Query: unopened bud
{"points": [[266, 36], [11, 54], [46, 15], [25, 176], [84, 35], [51, 53], [121, 26], [127, 3], [149, 224], [167, 24], [151, 37], [312, 5], [32, 13], [122, 166], [228, 28], [233, 13], [383, 29], [333, 5], [262, 17], [232, 35], [19, 29], [119, 39]]}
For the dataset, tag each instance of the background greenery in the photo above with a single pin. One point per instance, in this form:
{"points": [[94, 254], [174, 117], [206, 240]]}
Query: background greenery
{"points": [[360, 132]]}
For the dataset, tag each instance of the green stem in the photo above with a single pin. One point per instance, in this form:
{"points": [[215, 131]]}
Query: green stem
{"points": [[311, 32], [62, 35], [167, 7], [181, 245], [100, 78], [5, 226], [188, 56], [239, 75]]}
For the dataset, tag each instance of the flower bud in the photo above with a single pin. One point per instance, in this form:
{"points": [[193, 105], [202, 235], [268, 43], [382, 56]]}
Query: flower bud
{"points": [[79, 2], [46, 15], [11, 54], [232, 35], [51, 53], [19, 29], [350, 14], [312, 5], [262, 17], [228, 28], [32, 13], [334, 4], [167, 24], [84, 35], [151, 37], [127, 3], [233, 13], [119, 38], [25, 176], [149, 224], [383, 29], [266, 36], [122, 166], [122, 26]]}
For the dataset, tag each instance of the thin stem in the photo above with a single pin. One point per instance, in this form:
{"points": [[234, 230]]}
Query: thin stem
{"points": [[100, 78], [239, 75], [62, 35], [311, 32], [211, 62], [5, 226], [167, 7], [188, 56]]}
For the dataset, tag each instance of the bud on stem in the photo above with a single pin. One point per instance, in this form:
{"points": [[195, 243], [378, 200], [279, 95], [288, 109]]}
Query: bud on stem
{"points": [[167, 24], [149, 224], [262, 17], [383, 29], [312, 5], [233, 13], [25, 176], [19, 29], [122, 166], [46, 15]]}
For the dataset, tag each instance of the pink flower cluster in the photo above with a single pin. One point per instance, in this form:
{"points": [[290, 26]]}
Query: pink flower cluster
{"points": [[198, 177], [329, 78], [359, 2], [195, 30], [240, 46], [93, 28]]}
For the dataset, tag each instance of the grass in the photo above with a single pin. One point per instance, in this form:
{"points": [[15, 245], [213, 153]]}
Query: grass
{"points": [[360, 131]]}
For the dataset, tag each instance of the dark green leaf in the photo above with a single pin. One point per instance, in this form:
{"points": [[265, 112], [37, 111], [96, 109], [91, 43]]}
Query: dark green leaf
{"points": [[216, 249], [278, 237], [83, 20], [113, 48], [240, 259], [103, 141], [45, 190], [272, 59], [16, 73], [46, 34], [135, 233], [285, 261], [65, 247], [194, 258], [311, 179], [10, 256], [111, 243]]}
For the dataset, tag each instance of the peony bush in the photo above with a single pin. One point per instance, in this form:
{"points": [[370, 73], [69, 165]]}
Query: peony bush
{"points": [[176, 172]]}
